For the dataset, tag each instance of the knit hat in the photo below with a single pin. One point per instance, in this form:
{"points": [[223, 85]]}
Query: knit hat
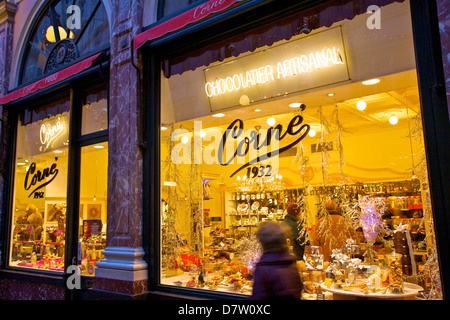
{"points": [[293, 209]]}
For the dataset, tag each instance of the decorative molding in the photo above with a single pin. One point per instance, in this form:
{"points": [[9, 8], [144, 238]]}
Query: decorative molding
{"points": [[63, 53], [121, 263], [7, 12]]}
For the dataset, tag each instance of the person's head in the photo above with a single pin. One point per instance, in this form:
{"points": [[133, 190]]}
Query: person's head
{"points": [[293, 209], [332, 206], [273, 237]]}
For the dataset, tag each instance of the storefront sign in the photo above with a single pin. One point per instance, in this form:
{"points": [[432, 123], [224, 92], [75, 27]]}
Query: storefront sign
{"points": [[38, 179], [256, 142], [309, 62], [53, 132], [236, 145]]}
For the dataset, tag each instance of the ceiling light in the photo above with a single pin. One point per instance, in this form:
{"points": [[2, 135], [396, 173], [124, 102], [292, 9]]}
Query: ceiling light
{"points": [[184, 139], [57, 151], [98, 147], [21, 163], [361, 105], [163, 128], [271, 121], [244, 100], [202, 133], [370, 82], [218, 115], [331, 94], [295, 105], [312, 133], [393, 120], [258, 110]]}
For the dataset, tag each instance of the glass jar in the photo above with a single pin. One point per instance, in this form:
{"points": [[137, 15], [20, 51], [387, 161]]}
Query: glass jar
{"points": [[394, 262], [313, 258]]}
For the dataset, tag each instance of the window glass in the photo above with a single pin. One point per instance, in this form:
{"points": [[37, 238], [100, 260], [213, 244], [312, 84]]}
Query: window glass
{"points": [[40, 188], [91, 33], [93, 209], [297, 122], [168, 7], [95, 111]]}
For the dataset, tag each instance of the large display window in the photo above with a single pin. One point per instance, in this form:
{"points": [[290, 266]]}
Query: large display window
{"points": [[325, 120], [40, 198], [43, 208]]}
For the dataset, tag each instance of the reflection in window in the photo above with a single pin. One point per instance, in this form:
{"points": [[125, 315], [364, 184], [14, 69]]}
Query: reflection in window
{"points": [[353, 151], [52, 31], [93, 199], [39, 216], [168, 7], [95, 111]]}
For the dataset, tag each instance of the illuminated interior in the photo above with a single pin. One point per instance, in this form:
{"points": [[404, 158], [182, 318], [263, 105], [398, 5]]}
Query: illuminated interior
{"points": [[363, 136], [38, 238]]}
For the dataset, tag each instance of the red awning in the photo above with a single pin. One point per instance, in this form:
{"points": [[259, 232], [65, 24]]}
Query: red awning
{"points": [[49, 80], [201, 12]]}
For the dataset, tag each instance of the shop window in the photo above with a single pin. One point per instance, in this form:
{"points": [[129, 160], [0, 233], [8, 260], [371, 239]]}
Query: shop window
{"points": [[93, 200], [40, 185], [328, 119], [46, 141], [48, 50], [93, 179], [95, 111]]}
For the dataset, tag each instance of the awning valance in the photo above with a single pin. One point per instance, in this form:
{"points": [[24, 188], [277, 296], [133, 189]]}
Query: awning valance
{"points": [[49, 80], [199, 13]]}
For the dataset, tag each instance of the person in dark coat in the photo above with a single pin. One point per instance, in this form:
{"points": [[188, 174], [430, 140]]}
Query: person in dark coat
{"points": [[276, 275], [291, 219]]}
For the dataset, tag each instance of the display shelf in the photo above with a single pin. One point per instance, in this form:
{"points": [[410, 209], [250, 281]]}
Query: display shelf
{"points": [[410, 291]]}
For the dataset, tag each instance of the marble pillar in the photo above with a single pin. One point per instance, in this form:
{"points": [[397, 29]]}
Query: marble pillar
{"points": [[7, 13], [123, 270]]}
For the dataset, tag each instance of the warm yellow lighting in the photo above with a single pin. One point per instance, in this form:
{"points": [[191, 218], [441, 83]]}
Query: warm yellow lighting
{"points": [[184, 139], [331, 94], [57, 151], [238, 178], [312, 133], [258, 110], [163, 128], [218, 115], [202, 133], [361, 105], [271, 121], [50, 34], [244, 100], [370, 82], [393, 120], [295, 105]]}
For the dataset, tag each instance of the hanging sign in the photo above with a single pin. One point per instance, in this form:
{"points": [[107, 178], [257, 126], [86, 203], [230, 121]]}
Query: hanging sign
{"points": [[313, 61], [53, 133]]}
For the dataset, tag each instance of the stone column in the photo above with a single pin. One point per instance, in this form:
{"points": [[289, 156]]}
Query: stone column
{"points": [[7, 12], [123, 270]]}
